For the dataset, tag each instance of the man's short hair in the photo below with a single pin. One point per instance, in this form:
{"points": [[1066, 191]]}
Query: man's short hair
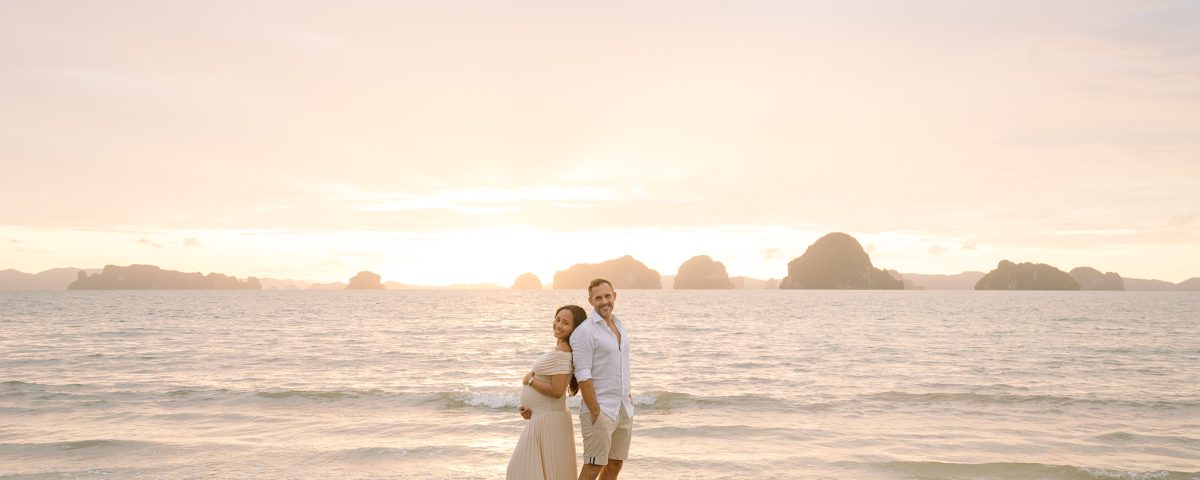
{"points": [[596, 283]]}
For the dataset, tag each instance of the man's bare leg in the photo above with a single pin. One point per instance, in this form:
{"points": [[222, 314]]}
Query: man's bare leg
{"points": [[590, 472], [611, 470]]}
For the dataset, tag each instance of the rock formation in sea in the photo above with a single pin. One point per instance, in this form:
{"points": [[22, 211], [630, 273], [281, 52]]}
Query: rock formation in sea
{"points": [[1190, 285], [53, 279], [1091, 279], [150, 277], [836, 262], [527, 281], [702, 272], [1026, 276], [624, 272], [905, 283], [365, 281]]}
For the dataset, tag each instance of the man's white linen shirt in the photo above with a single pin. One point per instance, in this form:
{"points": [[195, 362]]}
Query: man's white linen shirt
{"points": [[598, 358]]}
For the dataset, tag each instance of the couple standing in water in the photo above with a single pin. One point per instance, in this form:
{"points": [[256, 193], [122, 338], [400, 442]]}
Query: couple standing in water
{"points": [[591, 357]]}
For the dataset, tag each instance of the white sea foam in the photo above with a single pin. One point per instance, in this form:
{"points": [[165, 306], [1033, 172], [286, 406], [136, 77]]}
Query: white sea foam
{"points": [[488, 400], [1109, 474], [509, 400]]}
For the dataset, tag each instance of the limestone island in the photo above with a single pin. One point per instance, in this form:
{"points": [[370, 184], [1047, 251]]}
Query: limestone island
{"points": [[836, 262], [1089, 278], [527, 281], [624, 272], [702, 272], [365, 281], [150, 277], [1026, 276]]}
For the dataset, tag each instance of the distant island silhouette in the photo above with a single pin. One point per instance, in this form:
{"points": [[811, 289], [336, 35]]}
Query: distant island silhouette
{"points": [[624, 272], [53, 279], [366, 281], [150, 277], [527, 281], [702, 272], [1154, 285], [1091, 279], [835, 261], [1026, 276]]}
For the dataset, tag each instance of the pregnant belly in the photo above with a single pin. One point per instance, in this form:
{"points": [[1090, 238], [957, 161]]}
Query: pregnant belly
{"points": [[539, 403]]}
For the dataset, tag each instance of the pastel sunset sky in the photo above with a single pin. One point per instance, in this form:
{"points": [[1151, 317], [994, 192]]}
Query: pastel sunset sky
{"points": [[463, 142]]}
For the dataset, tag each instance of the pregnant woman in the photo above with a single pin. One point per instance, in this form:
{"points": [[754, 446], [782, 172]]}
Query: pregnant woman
{"points": [[546, 450]]}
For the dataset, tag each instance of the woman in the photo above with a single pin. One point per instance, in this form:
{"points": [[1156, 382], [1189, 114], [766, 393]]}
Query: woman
{"points": [[546, 450]]}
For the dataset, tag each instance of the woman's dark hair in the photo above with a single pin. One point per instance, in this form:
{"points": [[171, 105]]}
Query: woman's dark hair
{"points": [[577, 316]]}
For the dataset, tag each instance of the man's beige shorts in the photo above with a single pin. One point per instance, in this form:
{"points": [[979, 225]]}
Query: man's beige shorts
{"points": [[606, 438]]}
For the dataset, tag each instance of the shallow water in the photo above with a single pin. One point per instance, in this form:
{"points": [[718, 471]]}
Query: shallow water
{"points": [[728, 384]]}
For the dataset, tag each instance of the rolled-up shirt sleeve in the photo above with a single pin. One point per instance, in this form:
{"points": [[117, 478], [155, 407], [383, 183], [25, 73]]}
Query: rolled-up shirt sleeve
{"points": [[581, 353]]}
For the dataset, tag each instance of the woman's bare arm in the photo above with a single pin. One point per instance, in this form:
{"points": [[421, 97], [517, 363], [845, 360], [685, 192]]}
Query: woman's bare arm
{"points": [[555, 388]]}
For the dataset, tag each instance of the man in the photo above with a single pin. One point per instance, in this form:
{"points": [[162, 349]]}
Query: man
{"points": [[600, 349]]}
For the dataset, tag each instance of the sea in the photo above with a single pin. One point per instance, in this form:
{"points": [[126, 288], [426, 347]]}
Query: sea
{"points": [[423, 384]]}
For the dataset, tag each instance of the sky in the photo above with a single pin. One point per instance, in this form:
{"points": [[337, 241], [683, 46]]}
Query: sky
{"points": [[467, 142]]}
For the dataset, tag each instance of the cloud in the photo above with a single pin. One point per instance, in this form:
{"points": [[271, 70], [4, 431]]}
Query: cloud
{"points": [[968, 245], [481, 201], [869, 248], [11, 241], [191, 242], [1091, 232], [147, 243], [937, 250]]}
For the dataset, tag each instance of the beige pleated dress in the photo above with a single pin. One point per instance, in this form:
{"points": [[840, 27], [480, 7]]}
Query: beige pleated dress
{"points": [[546, 450]]}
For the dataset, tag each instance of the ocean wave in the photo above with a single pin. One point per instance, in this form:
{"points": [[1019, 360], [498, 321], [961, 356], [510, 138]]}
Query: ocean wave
{"points": [[968, 397], [92, 394], [753, 365], [82, 444], [1128, 437], [667, 400], [740, 432], [88, 444], [86, 395], [470, 398], [391, 453], [1016, 399], [16, 388], [324, 395], [492, 400], [651, 400], [1002, 471]]}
